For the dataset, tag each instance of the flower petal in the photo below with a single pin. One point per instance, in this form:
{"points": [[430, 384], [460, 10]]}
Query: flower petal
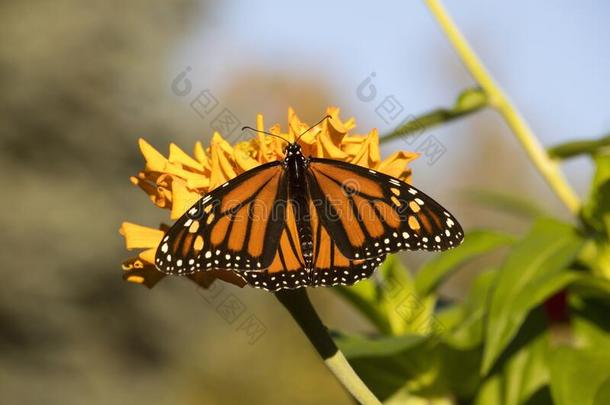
{"points": [[177, 155], [138, 236], [327, 149], [368, 155], [201, 155], [222, 169], [135, 270], [396, 165], [183, 198], [154, 160]]}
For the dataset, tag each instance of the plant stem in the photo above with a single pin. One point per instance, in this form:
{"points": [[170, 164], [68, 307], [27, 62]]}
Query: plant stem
{"points": [[468, 102], [298, 304], [575, 148], [498, 100]]}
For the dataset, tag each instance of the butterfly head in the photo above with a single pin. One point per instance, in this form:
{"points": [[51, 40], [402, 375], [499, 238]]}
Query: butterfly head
{"points": [[292, 149]]}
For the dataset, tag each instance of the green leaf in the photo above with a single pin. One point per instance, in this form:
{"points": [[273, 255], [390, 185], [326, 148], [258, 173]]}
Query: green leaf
{"points": [[508, 203], [523, 375], [475, 244], [589, 319], [422, 365], [388, 363], [596, 255], [592, 286], [364, 297], [404, 310], [390, 301], [596, 209], [531, 273], [602, 396], [579, 376], [469, 330], [403, 397], [575, 148], [469, 101]]}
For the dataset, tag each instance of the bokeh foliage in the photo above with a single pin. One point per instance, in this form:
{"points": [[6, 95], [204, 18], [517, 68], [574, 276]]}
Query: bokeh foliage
{"points": [[533, 328]]}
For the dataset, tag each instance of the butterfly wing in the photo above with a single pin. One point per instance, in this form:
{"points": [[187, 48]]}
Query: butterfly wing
{"points": [[235, 226], [287, 270], [369, 214], [330, 266]]}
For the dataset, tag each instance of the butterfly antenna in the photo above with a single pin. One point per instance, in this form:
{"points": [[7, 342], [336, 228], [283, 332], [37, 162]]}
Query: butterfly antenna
{"points": [[313, 126], [264, 132]]}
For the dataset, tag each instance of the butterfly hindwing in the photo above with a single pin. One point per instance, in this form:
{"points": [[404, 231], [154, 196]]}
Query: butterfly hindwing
{"points": [[369, 213], [329, 267], [235, 226]]}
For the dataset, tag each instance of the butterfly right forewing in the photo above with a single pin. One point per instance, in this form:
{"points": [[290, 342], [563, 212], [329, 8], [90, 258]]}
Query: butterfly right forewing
{"points": [[369, 213]]}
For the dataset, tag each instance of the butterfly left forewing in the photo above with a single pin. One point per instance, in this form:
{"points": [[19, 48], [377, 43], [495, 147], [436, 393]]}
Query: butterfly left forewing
{"points": [[235, 226], [368, 213]]}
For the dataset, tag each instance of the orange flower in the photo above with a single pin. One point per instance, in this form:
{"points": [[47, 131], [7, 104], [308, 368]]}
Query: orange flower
{"points": [[178, 181]]}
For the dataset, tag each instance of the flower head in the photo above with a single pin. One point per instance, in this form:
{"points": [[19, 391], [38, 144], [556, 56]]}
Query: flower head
{"points": [[178, 181]]}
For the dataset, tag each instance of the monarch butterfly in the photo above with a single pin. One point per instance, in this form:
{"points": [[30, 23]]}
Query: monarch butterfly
{"points": [[304, 221]]}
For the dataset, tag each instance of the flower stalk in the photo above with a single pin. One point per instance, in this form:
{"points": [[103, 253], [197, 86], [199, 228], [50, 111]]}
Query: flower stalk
{"points": [[298, 304], [501, 103], [469, 101]]}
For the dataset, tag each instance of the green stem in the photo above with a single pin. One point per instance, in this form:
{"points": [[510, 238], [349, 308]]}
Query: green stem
{"points": [[500, 102], [469, 101], [298, 304]]}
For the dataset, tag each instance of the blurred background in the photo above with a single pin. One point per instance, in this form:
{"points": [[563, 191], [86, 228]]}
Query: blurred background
{"points": [[82, 81]]}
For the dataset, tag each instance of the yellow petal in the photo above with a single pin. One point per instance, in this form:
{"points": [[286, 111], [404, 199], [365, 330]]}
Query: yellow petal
{"points": [[182, 198], [295, 126], [352, 144], [327, 149], [148, 255], [260, 138], [198, 182], [368, 155], [138, 236], [335, 127], [177, 155], [244, 161], [201, 155], [218, 140], [396, 165], [156, 185], [222, 167], [154, 160], [194, 180]]}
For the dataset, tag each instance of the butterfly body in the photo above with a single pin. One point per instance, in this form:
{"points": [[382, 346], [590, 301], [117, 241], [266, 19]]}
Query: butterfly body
{"points": [[305, 221], [296, 165]]}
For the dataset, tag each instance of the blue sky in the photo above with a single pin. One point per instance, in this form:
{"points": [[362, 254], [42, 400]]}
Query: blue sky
{"points": [[551, 57]]}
